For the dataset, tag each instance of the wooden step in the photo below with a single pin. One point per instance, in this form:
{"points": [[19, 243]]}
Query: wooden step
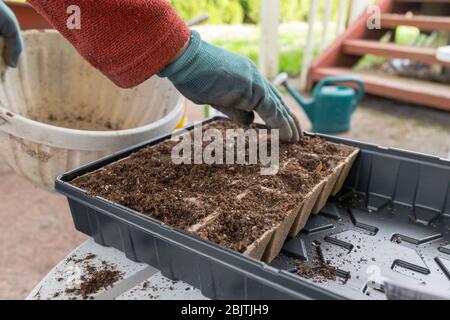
{"points": [[424, 1], [425, 23], [409, 90], [363, 47]]}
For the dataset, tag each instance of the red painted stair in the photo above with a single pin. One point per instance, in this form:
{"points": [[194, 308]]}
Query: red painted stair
{"points": [[358, 41], [363, 47], [425, 23]]}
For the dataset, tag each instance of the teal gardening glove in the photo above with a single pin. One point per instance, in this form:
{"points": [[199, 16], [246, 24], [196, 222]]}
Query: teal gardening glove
{"points": [[231, 84], [10, 31]]}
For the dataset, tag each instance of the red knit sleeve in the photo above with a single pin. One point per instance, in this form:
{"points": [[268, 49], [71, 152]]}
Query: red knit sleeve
{"points": [[127, 40]]}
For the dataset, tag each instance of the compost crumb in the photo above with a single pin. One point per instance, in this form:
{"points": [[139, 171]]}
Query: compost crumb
{"points": [[397, 240], [231, 205], [76, 260], [90, 257], [38, 294], [320, 270]]}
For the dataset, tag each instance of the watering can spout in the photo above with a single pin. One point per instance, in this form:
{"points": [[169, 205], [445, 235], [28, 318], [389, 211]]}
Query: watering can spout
{"points": [[306, 104], [308, 107]]}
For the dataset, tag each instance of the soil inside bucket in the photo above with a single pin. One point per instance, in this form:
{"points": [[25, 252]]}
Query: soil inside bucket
{"points": [[78, 122], [80, 118], [231, 205]]}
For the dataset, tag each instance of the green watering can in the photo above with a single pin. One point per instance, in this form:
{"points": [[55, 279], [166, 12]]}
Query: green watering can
{"points": [[331, 107]]}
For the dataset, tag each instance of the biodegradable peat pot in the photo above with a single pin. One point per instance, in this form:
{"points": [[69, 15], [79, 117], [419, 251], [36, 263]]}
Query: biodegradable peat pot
{"points": [[270, 244], [230, 205], [58, 113]]}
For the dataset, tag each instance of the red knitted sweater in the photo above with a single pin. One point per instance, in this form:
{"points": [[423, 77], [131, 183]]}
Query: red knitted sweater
{"points": [[127, 40]]}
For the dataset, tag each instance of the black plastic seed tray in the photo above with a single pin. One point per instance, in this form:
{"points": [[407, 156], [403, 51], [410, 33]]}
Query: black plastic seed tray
{"points": [[392, 219]]}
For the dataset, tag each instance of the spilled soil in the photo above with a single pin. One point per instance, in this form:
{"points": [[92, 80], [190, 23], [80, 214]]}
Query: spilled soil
{"points": [[93, 278], [320, 271]]}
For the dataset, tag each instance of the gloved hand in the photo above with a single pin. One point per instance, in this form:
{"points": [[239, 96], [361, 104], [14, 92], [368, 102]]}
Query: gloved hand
{"points": [[231, 84], [10, 31]]}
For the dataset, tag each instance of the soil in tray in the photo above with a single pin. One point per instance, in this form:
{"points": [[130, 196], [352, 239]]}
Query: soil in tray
{"points": [[231, 205]]}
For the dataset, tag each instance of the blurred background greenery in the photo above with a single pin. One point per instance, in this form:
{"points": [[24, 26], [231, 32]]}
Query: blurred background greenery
{"points": [[292, 36], [233, 25], [243, 11], [247, 12]]}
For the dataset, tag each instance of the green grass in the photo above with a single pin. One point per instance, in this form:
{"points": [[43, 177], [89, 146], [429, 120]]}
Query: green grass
{"points": [[291, 50]]}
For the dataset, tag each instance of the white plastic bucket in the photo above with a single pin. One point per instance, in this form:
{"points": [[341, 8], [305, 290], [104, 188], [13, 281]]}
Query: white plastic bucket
{"points": [[54, 94]]}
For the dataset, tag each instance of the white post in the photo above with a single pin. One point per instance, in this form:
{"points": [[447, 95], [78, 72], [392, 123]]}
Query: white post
{"points": [[357, 9], [310, 43], [269, 47], [340, 23], [326, 24]]}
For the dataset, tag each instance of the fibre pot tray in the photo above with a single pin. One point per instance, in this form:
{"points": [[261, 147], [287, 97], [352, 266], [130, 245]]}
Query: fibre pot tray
{"points": [[382, 181]]}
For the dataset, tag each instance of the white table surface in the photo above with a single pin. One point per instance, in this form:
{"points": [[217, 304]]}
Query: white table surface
{"points": [[139, 281]]}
